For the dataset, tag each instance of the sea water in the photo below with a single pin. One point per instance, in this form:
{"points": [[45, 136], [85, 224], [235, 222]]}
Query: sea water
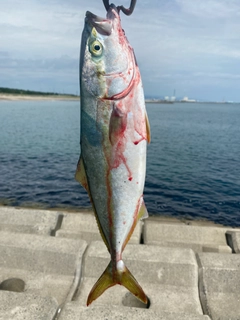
{"points": [[193, 160]]}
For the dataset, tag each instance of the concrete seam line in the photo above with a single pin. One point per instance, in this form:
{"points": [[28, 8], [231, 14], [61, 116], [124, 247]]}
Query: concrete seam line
{"points": [[82, 273], [199, 265], [75, 283], [58, 224]]}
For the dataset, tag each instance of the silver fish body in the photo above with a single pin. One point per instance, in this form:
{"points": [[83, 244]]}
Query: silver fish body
{"points": [[114, 135]]}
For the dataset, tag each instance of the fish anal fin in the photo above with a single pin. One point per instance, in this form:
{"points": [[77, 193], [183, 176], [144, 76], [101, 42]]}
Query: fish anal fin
{"points": [[80, 174], [129, 234], [112, 276], [143, 213], [147, 128]]}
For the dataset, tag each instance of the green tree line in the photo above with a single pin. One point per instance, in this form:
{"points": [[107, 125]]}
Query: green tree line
{"points": [[30, 92]]}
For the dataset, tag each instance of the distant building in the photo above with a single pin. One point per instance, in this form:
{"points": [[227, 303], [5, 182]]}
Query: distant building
{"points": [[185, 99]]}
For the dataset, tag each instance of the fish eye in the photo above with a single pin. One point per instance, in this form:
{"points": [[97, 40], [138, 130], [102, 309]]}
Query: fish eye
{"points": [[96, 48]]}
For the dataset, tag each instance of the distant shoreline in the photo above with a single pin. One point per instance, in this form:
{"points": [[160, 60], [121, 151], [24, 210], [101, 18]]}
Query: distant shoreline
{"points": [[65, 97], [26, 97]]}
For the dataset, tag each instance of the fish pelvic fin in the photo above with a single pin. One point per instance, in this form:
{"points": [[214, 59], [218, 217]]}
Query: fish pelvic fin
{"points": [[112, 276]]}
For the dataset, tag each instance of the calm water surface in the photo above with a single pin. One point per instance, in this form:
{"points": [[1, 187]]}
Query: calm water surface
{"points": [[193, 166]]}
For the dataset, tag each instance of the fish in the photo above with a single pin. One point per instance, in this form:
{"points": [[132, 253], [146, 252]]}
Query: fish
{"points": [[113, 140]]}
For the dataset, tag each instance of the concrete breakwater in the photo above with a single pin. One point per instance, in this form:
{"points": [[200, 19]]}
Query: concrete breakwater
{"points": [[49, 261]]}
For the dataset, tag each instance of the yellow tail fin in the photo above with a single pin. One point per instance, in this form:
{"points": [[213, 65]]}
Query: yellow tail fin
{"points": [[120, 275]]}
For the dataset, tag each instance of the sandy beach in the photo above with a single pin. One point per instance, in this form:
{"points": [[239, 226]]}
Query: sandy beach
{"points": [[16, 97]]}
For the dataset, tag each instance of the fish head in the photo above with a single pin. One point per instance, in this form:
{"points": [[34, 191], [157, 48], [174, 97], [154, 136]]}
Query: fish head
{"points": [[107, 62]]}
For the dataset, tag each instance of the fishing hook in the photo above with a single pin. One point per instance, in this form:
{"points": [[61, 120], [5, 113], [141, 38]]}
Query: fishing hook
{"points": [[128, 11]]}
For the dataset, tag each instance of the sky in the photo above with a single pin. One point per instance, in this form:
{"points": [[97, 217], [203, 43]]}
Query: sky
{"points": [[191, 47]]}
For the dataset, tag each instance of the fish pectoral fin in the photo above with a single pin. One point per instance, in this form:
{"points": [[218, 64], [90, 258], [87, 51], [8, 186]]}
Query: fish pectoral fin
{"points": [[112, 276], [80, 174], [143, 213], [148, 128]]}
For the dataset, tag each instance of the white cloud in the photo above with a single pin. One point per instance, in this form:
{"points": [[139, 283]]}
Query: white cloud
{"points": [[176, 42], [210, 9]]}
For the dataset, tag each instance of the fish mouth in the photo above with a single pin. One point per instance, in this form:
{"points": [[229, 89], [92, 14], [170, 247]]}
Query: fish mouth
{"points": [[102, 25]]}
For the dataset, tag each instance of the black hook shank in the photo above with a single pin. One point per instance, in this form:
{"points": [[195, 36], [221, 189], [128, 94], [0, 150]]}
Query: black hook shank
{"points": [[128, 11]]}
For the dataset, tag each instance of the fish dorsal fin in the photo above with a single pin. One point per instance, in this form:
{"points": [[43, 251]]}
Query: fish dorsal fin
{"points": [[147, 128], [80, 175]]}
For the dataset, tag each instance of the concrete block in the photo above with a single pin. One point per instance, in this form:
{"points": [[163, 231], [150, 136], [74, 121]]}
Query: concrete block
{"points": [[40, 253], [223, 306], [218, 261], [22, 306], [234, 240], [28, 220], [166, 220], [203, 223], [72, 311], [84, 226], [169, 276], [216, 248], [219, 283], [39, 283], [198, 238], [172, 266], [47, 265]]}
